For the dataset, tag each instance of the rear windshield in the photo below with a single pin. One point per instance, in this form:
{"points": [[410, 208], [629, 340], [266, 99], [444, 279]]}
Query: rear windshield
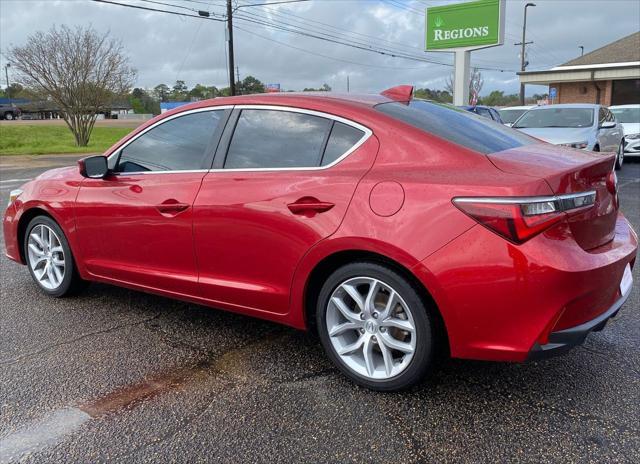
{"points": [[455, 125], [510, 116], [556, 117]]}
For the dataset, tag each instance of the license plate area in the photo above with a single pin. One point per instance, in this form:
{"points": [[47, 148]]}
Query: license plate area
{"points": [[627, 280]]}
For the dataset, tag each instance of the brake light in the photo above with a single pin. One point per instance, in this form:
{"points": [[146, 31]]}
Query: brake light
{"points": [[520, 218]]}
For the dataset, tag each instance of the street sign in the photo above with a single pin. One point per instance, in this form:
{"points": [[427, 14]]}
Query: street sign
{"points": [[553, 92], [469, 25]]}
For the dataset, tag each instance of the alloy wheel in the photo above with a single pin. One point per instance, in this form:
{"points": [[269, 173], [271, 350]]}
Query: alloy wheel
{"points": [[46, 257], [371, 328]]}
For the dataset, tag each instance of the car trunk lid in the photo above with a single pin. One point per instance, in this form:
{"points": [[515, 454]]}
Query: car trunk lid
{"points": [[571, 171]]}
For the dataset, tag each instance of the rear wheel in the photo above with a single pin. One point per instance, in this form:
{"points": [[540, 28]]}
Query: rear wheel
{"points": [[374, 327], [49, 258], [620, 155], [8, 116]]}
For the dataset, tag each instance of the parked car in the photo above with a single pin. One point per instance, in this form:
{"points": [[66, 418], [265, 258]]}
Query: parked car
{"points": [[486, 111], [399, 230], [9, 111], [511, 113], [629, 117], [578, 125]]}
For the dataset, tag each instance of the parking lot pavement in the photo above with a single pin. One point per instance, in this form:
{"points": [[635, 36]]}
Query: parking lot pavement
{"points": [[116, 375]]}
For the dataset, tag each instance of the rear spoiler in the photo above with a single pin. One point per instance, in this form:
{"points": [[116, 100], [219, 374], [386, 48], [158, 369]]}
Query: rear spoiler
{"points": [[400, 93]]}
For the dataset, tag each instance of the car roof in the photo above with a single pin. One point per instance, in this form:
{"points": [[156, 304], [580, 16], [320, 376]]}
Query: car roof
{"points": [[568, 105], [525, 107], [633, 105]]}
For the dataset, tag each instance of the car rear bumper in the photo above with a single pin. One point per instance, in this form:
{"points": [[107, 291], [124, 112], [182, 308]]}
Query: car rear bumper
{"points": [[564, 340], [498, 301]]}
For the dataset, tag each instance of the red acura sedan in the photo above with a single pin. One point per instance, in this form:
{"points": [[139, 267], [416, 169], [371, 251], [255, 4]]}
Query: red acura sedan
{"points": [[390, 226]]}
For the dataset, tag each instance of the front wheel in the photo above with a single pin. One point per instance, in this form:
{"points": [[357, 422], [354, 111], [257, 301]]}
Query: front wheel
{"points": [[375, 327], [8, 116], [620, 155], [49, 258]]}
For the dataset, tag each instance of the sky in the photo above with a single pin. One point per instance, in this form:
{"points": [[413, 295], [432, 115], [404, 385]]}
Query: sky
{"points": [[165, 48]]}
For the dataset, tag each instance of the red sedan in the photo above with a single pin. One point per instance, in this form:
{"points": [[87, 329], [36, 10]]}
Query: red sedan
{"points": [[393, 227]]}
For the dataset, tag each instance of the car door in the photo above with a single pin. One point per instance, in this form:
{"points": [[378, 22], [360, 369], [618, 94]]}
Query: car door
{"points": [[617, 132], [605, 134], [135, 225], [283, 180]]}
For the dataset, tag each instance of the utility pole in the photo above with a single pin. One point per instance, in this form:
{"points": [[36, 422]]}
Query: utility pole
{"points": [[232, 84], [347, 83], [524, 42], [238, 81], [581, 47]]}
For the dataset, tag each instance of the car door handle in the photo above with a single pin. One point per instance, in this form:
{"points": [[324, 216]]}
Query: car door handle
{"points": [[309, 205], [171, 207]]}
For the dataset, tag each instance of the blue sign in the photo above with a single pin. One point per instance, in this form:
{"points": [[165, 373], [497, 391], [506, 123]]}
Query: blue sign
{"points": [[553, 92]]}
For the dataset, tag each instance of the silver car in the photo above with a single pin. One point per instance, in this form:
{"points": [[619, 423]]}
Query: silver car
{"points": [[579, 125]]}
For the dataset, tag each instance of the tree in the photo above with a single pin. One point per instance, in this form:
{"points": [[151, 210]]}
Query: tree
{"points": [[476, 82], [202, 92], [161, 92], [250, 85], [80, 70], [441, 96], [325, 88], [179, 91]]}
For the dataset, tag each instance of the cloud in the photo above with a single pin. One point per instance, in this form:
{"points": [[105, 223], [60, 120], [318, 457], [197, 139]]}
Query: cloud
{"points": [[165, 47]]}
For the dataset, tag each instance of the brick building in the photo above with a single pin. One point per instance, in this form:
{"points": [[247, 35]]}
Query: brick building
{"points": [[609, 75]]}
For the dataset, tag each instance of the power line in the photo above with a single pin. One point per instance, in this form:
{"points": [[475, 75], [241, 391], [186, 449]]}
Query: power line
{"points": [[139, 7], [320, 54]]}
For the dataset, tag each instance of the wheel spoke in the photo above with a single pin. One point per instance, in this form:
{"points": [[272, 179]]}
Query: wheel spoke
{"points": [[35, 250], [51, 276], [395, 344], [387, 357], [368, 356], [355, 295], [56, 271], [341, 328], [44, 272], [351, 348], [392, 301], [36, 238], [56, 249], [58, 262], [344, 310], [371, 297], [399, 324]]}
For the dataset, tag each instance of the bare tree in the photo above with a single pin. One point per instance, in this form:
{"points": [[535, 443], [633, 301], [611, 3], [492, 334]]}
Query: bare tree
{"points": [[79, 69], [476, 81]]}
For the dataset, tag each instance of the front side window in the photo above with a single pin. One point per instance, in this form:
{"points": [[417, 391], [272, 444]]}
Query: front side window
{"points": [[455, 125], [277, 139], [176, 145]]}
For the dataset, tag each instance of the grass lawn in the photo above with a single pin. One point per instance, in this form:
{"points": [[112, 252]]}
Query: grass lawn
{"points": [[38, 140]]}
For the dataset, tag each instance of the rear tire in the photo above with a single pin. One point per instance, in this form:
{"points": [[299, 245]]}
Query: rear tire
{"points": [[49, 258], [375, 327], [9, 116]]}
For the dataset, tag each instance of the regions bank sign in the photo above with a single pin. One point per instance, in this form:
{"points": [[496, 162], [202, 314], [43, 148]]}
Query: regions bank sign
{"points": [[469, 25]]}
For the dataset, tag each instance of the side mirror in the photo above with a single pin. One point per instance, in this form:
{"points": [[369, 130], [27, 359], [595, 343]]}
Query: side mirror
{"points": [[608, 125], [93, 167]]}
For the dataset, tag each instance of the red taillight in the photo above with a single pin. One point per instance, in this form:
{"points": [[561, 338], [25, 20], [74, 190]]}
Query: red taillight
{"points": [[508, 220], [519, 219]]}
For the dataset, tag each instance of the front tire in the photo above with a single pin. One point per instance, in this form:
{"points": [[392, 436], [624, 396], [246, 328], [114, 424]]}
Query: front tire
{"points": [[8, 116], [620, 156], [49, 258], [375, 327]]}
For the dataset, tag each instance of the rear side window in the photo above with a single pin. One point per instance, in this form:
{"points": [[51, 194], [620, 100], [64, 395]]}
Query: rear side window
{"points": [[277, 139], [176, 145], [455, 125], [341, 140]]}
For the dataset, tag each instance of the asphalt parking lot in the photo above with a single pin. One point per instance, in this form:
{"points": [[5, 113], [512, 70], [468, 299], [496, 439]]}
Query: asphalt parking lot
{"points": [[116, 375]]}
